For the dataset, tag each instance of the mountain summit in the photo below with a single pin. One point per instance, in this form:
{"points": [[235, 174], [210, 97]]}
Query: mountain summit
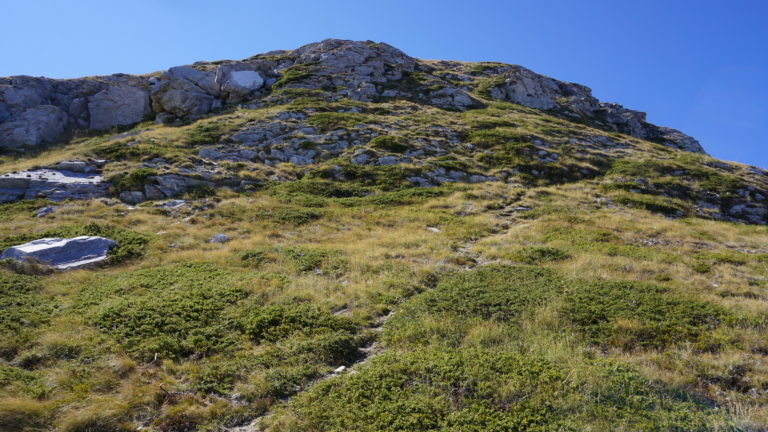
{"points": [[38, 111]]}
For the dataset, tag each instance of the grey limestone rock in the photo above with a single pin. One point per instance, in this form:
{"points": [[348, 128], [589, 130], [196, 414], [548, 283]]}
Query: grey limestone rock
{"points": [[56, 185], [63, 254], [118, 105]]}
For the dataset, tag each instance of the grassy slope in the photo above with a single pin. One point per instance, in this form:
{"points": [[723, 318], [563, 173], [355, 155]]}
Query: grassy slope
{"points": [[576, 315]]}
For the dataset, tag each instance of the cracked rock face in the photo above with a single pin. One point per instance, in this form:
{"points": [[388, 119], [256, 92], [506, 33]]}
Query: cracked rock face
{"points": [[354, 66], [41, 111], [118, 105]]}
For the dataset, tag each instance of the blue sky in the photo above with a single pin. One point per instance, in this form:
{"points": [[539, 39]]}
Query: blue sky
{"points": [[698, 66]]}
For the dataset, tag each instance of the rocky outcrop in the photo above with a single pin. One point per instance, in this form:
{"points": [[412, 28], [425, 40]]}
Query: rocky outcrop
{"points": [[191, 91], [66, 180], [118, 105], [524, 87], [63, 254], [352, 68], [40, 111]]}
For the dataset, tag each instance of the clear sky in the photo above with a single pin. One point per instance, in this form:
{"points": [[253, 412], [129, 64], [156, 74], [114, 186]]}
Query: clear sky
{"points": [[698, 66]]}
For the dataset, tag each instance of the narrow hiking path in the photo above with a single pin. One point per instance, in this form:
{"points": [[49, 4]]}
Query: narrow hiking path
{"points": [[374, 348]]}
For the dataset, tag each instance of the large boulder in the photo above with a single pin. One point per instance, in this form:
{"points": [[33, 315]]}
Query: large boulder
{"points": [[118, 105], [63, 253], [240, 84], [181, 98], [34, 127]]}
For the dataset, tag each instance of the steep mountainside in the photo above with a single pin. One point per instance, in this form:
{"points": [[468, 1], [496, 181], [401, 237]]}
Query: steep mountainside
{"points": [[341, 237]]}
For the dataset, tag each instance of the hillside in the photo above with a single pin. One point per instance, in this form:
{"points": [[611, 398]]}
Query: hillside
{"points": [[341, 237]]}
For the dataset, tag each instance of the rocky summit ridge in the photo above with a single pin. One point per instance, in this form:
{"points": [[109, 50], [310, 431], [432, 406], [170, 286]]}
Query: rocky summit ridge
{"points": [[354, 112], [36, 111]]}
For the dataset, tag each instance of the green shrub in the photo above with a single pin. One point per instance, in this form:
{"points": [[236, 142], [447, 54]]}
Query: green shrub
{"points": [[654, 204], [19, 382], [290, 215], [390, 143], [204, 134], [302, 259], [122, 150], [308, 259], [200, 191], [173, 311], [295, 73], [275, 322], [701, 267], [331, 348], [724, 257], [436, 390], [218, 377], [10, 211], [638, 315], [400, 197], [135, 179], [483, 390], [539, 255], [23, 309], [256, 257], [488, 138], [319, 187], [500, 293], [319, 193]]}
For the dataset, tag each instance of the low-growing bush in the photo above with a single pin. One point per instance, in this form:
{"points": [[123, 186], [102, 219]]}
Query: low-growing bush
{"points": [[390, 143], [436, 390], [275, 322], [539, 255], [500, 293], [17, 381], [134, 180], [302, 259], [24, 307], [204, 134], [484, 390], [290, 215], [632, 315], [667, 206], [172, 311], [488, 138], [295, 73]]}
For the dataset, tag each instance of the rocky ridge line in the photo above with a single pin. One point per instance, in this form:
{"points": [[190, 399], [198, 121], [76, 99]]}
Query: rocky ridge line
{"points": [[37, 111]]}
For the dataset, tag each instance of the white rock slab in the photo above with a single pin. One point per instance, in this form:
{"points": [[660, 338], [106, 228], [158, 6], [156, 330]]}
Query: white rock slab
{"points": [[63, 254]]}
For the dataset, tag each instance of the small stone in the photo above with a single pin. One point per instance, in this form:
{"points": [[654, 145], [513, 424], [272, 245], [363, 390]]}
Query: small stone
{"points": [[44, 211], [219, 238], [132, 197]]}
